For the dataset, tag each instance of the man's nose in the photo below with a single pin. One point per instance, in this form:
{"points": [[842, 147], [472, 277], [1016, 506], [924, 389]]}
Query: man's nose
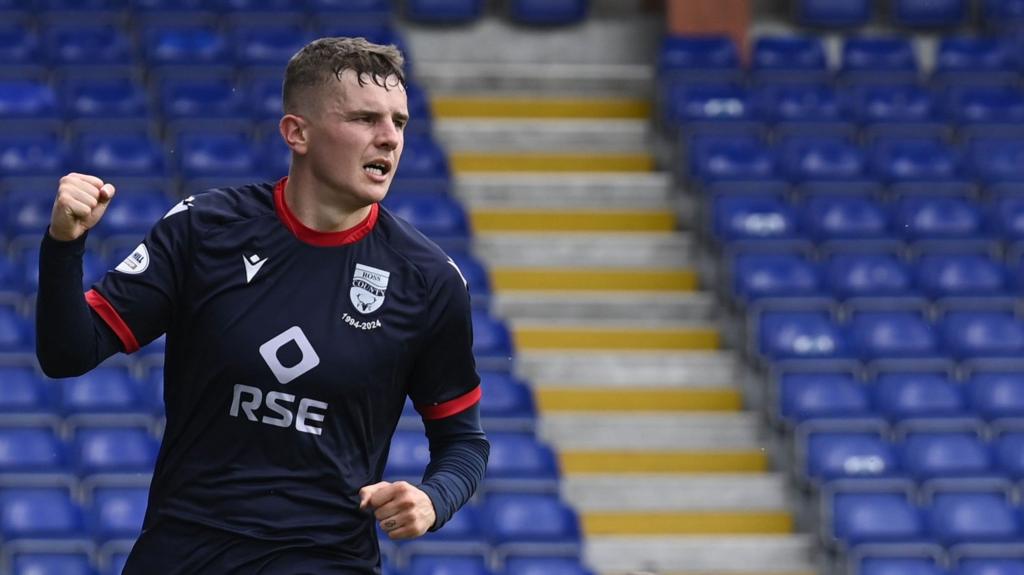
{"points": [[388, 136]]}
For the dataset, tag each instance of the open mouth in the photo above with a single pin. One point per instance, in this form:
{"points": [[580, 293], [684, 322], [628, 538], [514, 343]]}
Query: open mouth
{"points": [[379, 169]]}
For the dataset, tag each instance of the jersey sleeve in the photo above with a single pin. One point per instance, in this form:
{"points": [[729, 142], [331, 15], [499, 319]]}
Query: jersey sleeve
{"points": [[137, 298], [444, 380]]}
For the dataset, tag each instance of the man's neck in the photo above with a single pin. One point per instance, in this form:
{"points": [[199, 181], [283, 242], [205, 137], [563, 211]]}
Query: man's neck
{"points": [[317, 209]]}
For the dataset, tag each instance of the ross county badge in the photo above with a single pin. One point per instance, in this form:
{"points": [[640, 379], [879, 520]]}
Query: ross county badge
{"points": [[368, 287]]}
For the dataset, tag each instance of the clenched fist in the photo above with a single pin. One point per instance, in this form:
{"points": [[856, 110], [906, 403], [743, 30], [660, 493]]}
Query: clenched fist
{"points": [[81, 201], [403, 510]]}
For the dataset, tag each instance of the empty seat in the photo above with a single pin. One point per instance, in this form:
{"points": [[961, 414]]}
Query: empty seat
{"points": [[32, 154], [17, 333], [520, 460], [723, 158], [447, 565], [996, 394], [265, 102], [878, 58], [984, 104], [800, 335], [964, 59], [868, 516], [970, 517], [923, 216], [527, 565], [217, 154], [103, 449], [119, 154], [27, 99], [78, 43], [756, 275], [815, 395], [1008, 450], [505, 399], [867, 274], [491, 338], [422, 159], [913, 159], [547, 12], [891, 334], [890, 103], [168, 44], [929, 455], [104, 97], [105, 389], [133, 214], [968, 334], [848, 455], [368, 9], [439, 217], [18, 44], [462, 533], [752, 216], [960, 274], [820, 158], [39, 512], [979, 565], [22, 390], [790, 56], [929, 14], [698, 56], [409, 455], [883, 565], [117, 512], [796, 102], [443, 11], [31, 449], [833, 13], [687, 104], [267, 44], [476, 277], [213, 97], [52, 563], [993, 160], [530, 518], [839, 216], [908, 394]]}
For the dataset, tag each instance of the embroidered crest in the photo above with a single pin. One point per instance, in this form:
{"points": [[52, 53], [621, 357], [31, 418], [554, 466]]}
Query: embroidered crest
{"points": [[369, 285]]}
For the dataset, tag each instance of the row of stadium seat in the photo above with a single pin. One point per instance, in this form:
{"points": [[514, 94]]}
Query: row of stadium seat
{"points": [[932, 560], [899, 13]]}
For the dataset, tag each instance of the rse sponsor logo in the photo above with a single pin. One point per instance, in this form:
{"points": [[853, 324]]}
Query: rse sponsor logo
{"points": [[364, 325]]}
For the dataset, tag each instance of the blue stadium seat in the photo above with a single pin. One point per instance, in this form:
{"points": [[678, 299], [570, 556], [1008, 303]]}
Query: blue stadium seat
{"points": [[831, 455], [994, 160], [409, 455], [363, 9], [116, 512], [215, 154], [120, 154], [422, 159], [39, 512], [883, 565], [908, 394], [833, 13], [492, 342], [443, 11], [17, 333], [476, 276], [539, 565], [727, 158], [960, 60], [169, 44], [52, 563], [970, 334], [700, 57], [439, 217], [18, 44], [267, 44], [820, 158], [273, 154], [960, 274], [1002, 15], [973, 517], [758, 274], [506, 400], [105, 389], [1008, 449], [547, 12], [27, 99], [796, 102], [800, 335], [935, 454], [890, 103], [519, 460], [816, 395], [913, 159], [214, 97], [462, 532], [989, 566], [788, 57], [247, 8], [878, 57], [447, 565], [420, 113], [753, 216], [35, 154], [80, 44], [37, 448], [873, 516], [684, 104], [511, 518], [880, 334], [971, 104], [97, 7], [112, 97], [133, 214], [867, 274], [175, 8], [23, 390], [928, 13], [839, 216], [996, 394], [937, 216], [263, 96], [109, 449]]}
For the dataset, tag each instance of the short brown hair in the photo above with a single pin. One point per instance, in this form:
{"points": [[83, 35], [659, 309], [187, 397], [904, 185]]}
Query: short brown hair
{"points": [[323, 60]]}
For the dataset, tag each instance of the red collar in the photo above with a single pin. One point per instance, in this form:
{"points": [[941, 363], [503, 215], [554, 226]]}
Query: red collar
{"points": [[315, 237]]}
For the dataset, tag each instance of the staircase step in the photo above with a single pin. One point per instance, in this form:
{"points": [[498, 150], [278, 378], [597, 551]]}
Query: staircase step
{"points": [[686, 523], [464, 162], [661, 461], [627, 369], [508, 135], [584, 250], [648, 307], [636, 492], [593, 279], [530, 335], [631, 190], [562, 399], [446, 108], [547, 220], [700, 433], [690, 555]]}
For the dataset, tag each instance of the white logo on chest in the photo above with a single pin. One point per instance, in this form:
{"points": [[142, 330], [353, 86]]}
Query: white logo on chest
{"points": [[253, 264], [369, 285]]}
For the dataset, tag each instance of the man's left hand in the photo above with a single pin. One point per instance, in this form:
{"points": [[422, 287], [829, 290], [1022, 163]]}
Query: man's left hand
{"points": [[402, 509]]}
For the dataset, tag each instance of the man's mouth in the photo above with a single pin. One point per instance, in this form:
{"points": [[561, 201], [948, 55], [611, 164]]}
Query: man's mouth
{"points": [[379, 169]]}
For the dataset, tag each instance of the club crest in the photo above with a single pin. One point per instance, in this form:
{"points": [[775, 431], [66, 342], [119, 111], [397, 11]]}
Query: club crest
{"points": [[369, 285]]}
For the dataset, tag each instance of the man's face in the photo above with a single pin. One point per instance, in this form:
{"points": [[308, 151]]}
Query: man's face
{"points": [[356, 137]]}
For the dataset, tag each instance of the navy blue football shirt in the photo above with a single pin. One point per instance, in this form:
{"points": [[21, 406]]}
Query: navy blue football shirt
{"points": [[289, 355]]}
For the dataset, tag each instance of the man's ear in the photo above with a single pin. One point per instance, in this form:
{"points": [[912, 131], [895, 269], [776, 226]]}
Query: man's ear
{"points": [[293, 130]]}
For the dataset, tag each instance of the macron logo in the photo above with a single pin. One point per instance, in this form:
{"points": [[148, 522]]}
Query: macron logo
{"points": [[253, 264]]}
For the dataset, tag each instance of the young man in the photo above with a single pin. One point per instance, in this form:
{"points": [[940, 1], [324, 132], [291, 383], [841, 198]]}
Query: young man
{"points": [[299, 315]]}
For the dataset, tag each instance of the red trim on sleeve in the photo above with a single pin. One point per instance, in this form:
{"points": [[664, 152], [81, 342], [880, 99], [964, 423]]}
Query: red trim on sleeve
{"points": [[452, 406], [102, 307], [316, 237]]}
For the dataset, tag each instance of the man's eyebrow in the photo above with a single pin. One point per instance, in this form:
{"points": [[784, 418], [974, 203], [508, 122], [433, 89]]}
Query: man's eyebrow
{"points": [[401, 116]]}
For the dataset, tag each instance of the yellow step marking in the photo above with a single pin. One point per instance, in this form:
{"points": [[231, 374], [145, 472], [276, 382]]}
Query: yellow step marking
{"points": [[462, 162], [561, 279], [540, 108], [512, 220], [615, 338], [638, 399], [746, 461], [687, 523]]}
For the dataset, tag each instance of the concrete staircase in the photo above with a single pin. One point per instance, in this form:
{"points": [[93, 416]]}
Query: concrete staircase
{"points": [[593, 270]]}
